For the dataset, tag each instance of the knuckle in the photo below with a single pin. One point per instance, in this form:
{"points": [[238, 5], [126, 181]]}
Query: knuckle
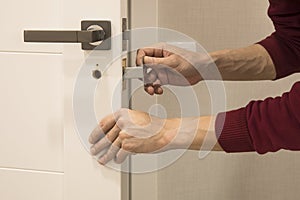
{"points": [[109, 138], [174, 57], [152, 60], [140, 52], [114, 149], [127, 146], [123, 136], [112, 134], [121, 123]]}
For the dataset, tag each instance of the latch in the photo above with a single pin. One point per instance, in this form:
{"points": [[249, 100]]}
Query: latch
{"points": [[128, 73], [125, 34]]}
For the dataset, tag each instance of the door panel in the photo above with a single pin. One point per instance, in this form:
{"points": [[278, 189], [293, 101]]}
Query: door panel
{"points": [[15, 16], [30, 185], [84, 178], [37, 84], [31, 111]]}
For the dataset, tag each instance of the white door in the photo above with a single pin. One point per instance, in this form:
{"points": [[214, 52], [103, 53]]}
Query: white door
{"points": [[41, 156]]}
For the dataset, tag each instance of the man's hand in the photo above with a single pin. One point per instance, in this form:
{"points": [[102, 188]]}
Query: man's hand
{"points": [[170, 65], [130, 132], [176, 66]]}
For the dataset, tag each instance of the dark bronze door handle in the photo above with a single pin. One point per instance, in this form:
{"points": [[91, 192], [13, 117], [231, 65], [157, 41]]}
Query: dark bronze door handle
{"points": [[91, 32], [88, 36]]}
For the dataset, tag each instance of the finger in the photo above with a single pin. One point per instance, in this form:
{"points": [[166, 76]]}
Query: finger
{"points": [[104, 126], [151, 51], [150, 76], [149, 89], [140, 57], [163, 77], [121, 156], [141, 53], [156, 61], [96, 135], [158, 89], [158, 52], [111, 153], [105, 141]]}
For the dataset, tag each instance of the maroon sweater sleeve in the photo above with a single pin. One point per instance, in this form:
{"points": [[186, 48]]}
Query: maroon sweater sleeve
{"points": [[272, 124], [284, 44]]}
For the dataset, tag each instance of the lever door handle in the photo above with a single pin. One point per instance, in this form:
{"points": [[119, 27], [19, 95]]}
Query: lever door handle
{"points": [[134, 72], [92, 34], [85, 36]]}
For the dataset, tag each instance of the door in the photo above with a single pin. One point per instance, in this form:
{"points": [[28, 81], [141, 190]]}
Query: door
{"points": [[41, 155], [83, 177]]}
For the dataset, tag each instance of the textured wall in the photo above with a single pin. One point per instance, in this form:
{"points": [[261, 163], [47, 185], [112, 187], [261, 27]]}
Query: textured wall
{"points": [[217, 25], [144, 14]]}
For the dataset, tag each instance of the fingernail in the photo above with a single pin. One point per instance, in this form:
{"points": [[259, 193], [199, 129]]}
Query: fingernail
{"points": [[100, 161], [93, 151], [91, 140], [101, 125]]}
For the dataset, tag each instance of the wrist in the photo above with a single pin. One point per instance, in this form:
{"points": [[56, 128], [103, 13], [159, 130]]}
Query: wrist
{"points": [[169, 133], [204, 129]]}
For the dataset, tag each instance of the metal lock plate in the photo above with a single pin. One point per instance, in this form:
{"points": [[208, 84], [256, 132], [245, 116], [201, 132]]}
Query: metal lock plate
{"points": [[105, 26]]}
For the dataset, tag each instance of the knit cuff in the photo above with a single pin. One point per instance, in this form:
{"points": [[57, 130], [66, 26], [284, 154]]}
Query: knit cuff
{"points": [[232, 131]]}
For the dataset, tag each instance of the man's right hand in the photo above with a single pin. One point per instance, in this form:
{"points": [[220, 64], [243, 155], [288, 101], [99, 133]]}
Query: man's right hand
{"points": [[170, 65]]}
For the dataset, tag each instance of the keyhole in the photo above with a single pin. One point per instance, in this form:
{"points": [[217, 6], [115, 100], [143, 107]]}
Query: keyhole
{"points": [[97, 74]]}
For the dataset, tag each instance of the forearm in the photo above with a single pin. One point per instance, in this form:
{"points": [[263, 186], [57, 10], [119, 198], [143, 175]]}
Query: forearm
{"points": [[192, 133], [250, 63]]}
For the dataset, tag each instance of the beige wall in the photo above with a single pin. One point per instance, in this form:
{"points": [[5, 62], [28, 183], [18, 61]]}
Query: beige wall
{"points": [[144, 14], [218, 25]]}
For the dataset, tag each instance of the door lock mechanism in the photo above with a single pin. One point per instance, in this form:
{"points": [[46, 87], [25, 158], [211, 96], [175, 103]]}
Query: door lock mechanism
{"points": [[89, 36]]}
